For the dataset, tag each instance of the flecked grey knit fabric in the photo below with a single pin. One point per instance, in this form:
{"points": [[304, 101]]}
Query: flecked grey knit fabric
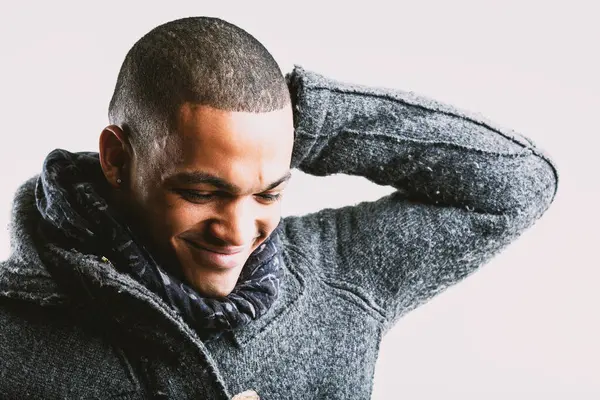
{"points": [[465, 189]]}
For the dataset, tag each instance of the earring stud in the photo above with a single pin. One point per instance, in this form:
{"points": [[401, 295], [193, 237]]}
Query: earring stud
{"points": [[119, 181]]}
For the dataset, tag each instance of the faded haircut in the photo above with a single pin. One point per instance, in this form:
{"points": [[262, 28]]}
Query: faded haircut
{"points": [[203, 60]]}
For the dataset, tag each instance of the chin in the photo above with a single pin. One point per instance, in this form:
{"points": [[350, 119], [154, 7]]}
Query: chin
{"points": [[213, 284], [214, 291]]}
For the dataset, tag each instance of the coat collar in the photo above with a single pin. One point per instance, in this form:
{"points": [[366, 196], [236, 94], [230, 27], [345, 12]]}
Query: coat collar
{"points": [[24, 275]]}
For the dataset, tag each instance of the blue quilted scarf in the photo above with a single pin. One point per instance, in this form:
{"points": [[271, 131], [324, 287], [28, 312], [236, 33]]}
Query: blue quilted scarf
{"points": [[71, 196]]}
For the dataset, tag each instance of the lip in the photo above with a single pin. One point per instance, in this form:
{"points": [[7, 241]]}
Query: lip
{"points": [[222, 259]]}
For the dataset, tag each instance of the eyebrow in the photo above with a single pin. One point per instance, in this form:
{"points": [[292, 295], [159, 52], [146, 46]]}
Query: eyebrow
{"points": [[199, 177]]}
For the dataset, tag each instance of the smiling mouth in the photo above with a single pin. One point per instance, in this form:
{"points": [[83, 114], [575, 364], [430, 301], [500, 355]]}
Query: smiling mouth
{"points": [[225, 259]]}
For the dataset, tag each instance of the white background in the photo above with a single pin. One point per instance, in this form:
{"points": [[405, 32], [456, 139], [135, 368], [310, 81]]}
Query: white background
{"points": [[527, 325]]}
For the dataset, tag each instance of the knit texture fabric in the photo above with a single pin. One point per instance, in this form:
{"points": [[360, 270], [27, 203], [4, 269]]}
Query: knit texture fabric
{"points": [[465, 189], [69, 197]]}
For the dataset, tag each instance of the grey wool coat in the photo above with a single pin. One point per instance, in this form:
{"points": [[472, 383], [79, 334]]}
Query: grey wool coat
{"points": [[466, 188]]}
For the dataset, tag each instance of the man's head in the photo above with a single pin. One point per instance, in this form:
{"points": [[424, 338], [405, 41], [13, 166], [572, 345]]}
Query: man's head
{"points": [[201, 138]]}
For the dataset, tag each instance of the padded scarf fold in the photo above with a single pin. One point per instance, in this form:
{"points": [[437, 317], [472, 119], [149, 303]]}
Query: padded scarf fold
{"points": [[69, 197]]}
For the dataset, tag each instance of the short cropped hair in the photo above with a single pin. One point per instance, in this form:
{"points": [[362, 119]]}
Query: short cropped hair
{"points": [[203, 60]]}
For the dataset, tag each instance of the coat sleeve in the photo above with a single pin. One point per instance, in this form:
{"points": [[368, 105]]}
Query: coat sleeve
{"points": [[465, 189]]}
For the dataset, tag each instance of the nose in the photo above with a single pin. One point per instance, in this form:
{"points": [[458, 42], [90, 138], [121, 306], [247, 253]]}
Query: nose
{"points": [[235, 224]]}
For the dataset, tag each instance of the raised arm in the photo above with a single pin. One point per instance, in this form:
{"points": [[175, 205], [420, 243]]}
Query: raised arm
{"points": [[465, 189]]}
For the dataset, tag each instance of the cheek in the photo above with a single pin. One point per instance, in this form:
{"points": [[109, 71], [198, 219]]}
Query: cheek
{"points": [[178, 216], [269, 219], [163, 215]]}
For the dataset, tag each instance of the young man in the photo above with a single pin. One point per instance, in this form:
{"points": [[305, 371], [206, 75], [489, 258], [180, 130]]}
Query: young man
{"points": [[160, 267]]}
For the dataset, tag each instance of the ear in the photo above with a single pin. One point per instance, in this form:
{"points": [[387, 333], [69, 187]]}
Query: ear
{"points": [[115, 154]]}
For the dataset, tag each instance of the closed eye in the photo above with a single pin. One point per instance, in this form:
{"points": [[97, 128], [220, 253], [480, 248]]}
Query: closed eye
{"points": [[194, 195], [270, 197]]}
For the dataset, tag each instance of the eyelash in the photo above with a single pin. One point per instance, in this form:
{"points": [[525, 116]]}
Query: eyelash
{"points": [[194, 196]]}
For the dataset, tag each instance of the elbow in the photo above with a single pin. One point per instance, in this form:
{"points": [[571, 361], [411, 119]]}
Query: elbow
{"points": [[531, 187]]}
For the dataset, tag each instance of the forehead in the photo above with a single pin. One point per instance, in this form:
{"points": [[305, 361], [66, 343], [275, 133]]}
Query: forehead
{"points": [[243, 148]]}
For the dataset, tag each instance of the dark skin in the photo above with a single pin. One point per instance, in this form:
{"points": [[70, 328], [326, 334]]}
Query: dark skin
{"points": [[207, 195]]}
